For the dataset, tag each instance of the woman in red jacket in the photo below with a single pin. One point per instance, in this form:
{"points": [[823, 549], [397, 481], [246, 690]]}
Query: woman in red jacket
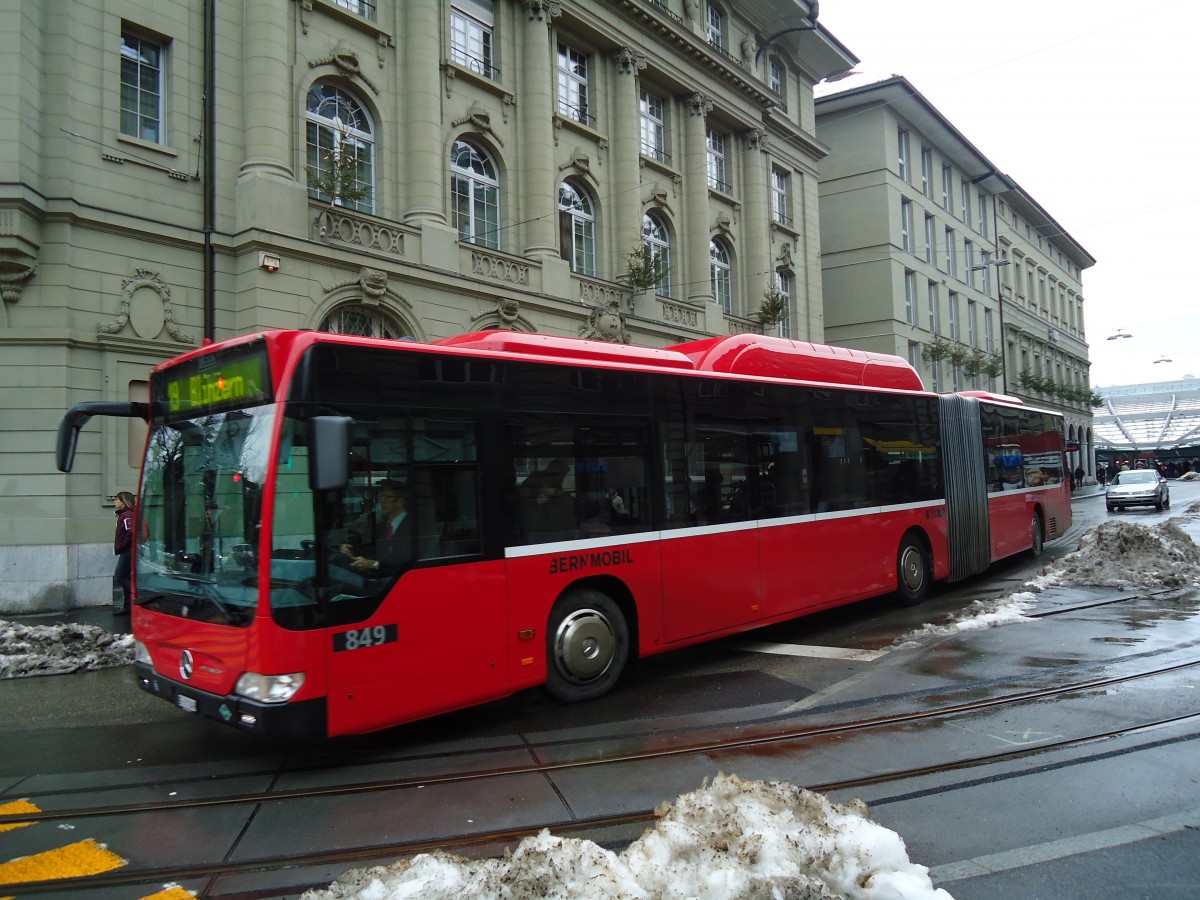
{"points": [[123, 546]]}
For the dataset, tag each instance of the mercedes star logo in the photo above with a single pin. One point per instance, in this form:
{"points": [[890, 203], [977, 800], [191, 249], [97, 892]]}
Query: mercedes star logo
{"points": [[185, 664]]}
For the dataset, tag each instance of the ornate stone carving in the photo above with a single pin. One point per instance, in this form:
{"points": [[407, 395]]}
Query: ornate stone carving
{"points": [[337, 225], [543, 10], [12, 280], [506, 315], [163, 318], [699, 105], [628, 62], [499, 268], [658, 199], [678, 313], [606, 323], [346, 62], [372, 287], [480, 121], [580, 162]]}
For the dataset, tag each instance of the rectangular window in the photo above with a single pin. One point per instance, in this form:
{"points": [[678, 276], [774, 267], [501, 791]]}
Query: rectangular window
{"points": [[573, 85], [715, 26], [910, 297], [906, 236], [780, 197], [926, 171], [471, 26], [987, 331], [951, 262], [930, 231], [952, 306], [718, 169], [966, 202], [969, 256], [947, 202], [935, 317], [783, 284], [985, 260], [983, 226], [141, 88], [902, 157], [654, 127], [775, 76], [972, 334], [361, 7]]}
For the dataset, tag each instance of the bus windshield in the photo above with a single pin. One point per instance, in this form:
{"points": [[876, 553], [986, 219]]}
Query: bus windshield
{"points": [[201, 498]]}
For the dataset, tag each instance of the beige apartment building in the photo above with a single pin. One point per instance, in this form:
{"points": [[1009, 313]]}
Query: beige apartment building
{"points": [[175, 172], [930, 252]]}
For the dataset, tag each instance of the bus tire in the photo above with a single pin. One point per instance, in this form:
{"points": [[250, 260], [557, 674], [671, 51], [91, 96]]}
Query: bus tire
{"points": [[914, 571], [587, 646], [1036, 536]]}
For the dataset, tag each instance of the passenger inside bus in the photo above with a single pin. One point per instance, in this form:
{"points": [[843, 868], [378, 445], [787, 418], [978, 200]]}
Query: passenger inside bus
{"points": [[548, 513]]}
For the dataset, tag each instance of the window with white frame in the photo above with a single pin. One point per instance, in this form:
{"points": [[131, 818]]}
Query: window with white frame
{"points": [[475, 195], [935, 316], [656, 238], [362, 7], [906, 225], [952, 308], [472, 23], [930, 232], [718, 164], [910, 297], [141, 87], [714, 22], [951, 259], [983, 217], [966, 201], [972, 325], [339, 148], [902, 153], [985, 260], [927, 171], [573, 85], [914, 355], [654, 127], [577, 228], [776, 79], [969, 256], [947, 194], [987, 331], [781, 196], [721, 272], [783, 284]]}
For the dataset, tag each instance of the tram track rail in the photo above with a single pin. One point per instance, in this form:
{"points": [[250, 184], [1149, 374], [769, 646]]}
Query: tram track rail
{"points": [[766, 739]]}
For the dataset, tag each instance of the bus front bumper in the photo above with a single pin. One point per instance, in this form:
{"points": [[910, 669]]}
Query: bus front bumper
{"points": [[278, 721]]}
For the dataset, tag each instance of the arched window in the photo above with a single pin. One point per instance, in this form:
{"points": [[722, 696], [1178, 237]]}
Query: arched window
{"points": [[364, 321], [657, 241], [475, 195], [721, 271], [577, 228], [341, 150]]}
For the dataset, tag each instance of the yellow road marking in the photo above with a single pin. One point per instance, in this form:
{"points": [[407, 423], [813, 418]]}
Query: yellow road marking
{"points": [[72, 861], [15, 808], [172, 893]]}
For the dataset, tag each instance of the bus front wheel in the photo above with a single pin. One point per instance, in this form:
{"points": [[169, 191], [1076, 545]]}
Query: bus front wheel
{"points": [[1036, 536], [914, 570], [587, 646]]}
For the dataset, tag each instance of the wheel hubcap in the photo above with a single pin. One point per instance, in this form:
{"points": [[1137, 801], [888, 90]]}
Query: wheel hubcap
{"points": [[584, 645], [912, 569]]}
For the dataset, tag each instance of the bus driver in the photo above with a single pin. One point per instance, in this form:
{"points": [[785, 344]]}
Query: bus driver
{"points": [[393, 547]]}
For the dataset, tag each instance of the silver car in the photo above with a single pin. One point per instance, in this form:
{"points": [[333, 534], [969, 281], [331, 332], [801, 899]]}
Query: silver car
{"points": [[1138, 487]]}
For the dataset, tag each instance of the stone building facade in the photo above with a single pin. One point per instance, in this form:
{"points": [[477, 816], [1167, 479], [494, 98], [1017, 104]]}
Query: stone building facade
{"points": [[177, 172], [932, 253]]}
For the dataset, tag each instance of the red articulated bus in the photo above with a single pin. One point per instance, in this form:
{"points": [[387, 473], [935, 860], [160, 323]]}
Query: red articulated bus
{"points": [[346, 533]]}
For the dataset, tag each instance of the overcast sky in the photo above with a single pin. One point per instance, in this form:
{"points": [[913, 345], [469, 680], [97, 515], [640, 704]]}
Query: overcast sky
{"points": [[1090, 106]]}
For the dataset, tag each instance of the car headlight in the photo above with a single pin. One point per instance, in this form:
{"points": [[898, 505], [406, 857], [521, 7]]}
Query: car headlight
{"points": [[141, 654], [269, 688]]}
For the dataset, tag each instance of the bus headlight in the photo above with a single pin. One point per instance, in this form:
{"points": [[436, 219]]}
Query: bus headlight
{"points": [[141, 654], [269, 688]]}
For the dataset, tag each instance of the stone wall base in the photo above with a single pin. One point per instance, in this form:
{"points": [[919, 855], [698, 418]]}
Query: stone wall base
{"points": [[55, 578]]}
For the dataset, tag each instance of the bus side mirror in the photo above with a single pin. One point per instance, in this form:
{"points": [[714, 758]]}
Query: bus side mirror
{"points": [[77, 416], [328, 453]]}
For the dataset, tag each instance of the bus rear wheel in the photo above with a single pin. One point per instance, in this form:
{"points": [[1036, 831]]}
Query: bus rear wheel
{"points": [[1035, 531], [914, 570], [587, 646]]}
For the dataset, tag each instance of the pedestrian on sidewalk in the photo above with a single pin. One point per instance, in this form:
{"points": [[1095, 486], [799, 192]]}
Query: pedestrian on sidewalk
{"points": [[123, 547]]}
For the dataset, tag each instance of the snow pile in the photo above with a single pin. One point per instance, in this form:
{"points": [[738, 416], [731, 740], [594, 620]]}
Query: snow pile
{"points": [[58, 649], [730, 840], [1131, 555], [1189, 476], [979, 615]]}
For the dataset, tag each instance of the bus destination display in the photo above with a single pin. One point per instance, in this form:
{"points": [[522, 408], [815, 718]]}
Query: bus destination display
{"points": [[220, 384]]}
